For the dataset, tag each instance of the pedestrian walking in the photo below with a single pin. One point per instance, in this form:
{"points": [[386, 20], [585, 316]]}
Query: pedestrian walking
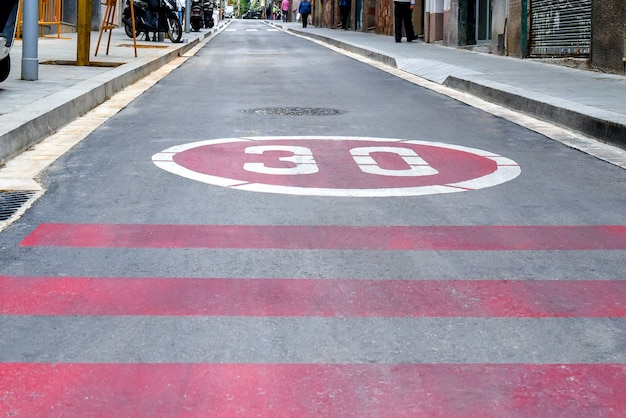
{"points": [[284, 7], [403, 16], [344, 10], [180, 7], [305, 11]]}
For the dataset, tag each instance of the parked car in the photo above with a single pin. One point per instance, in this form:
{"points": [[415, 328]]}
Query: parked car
{"points": [[8, 17], [229, 12]]}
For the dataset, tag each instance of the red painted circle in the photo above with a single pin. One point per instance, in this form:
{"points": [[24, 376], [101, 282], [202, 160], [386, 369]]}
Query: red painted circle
{"points": [[337, 168]]}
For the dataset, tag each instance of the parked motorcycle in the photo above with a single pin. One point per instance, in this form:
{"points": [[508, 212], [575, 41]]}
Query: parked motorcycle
{"points": [[253, 14], [197, 15], [8, 17], [208, 14], [154, 16]]}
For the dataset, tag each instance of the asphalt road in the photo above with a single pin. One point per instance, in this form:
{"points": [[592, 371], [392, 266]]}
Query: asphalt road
{"points": [[275, 229]]}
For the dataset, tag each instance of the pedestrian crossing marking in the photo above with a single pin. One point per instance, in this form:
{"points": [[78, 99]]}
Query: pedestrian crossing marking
{"points": [[309, 237], [310, 385], [91, 296], [312, 390]]}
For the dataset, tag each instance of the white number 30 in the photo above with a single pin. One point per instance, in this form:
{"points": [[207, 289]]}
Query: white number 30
{"points": [[304, 163], [301, 157]]}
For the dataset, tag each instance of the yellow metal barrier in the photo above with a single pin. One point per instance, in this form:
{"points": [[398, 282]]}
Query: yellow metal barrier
{"points": [[49, 15]]}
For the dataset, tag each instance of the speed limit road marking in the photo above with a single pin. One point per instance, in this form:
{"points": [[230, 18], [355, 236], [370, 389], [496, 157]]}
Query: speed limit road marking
{"points": [[337, 165]]}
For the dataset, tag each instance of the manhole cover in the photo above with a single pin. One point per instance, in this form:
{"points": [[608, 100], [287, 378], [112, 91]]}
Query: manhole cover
{"points": [[296, 111], [11, 202]]}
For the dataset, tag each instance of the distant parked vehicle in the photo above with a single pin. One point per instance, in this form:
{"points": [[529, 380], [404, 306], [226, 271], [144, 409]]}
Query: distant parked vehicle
{"points": [[197, 15], [252, 14], [229, 12], [154, 16], [8, 17], [208, 7]]}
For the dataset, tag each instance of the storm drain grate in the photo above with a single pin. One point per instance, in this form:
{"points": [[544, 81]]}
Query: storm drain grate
{"points": [[11, 202], [296, 111]]}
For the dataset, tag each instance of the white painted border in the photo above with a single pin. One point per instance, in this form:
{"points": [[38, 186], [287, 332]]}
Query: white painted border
{"points": [[507, 170]]}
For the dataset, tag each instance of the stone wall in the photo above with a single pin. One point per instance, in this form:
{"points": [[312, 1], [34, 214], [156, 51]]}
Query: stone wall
{"points": [[434, 19], [328, 13], [384, 17], [418, 17], [514, 30], [499, 27], [451, 24], [368, 15], [608, 35]]}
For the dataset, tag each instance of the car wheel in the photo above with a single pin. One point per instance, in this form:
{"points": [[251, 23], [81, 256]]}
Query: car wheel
{"points": [[5, 68]]}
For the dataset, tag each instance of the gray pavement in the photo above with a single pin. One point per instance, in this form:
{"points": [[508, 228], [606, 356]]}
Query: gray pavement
{"points": [[32, 110], [589, 102]]}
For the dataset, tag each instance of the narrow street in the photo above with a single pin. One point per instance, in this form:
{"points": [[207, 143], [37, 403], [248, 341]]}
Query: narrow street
{"points": [[276, 229]]}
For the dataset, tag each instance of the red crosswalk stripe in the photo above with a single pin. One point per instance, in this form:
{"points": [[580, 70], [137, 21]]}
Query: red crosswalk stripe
{"points": [[485, 238], [311, 297], [312, 390]]}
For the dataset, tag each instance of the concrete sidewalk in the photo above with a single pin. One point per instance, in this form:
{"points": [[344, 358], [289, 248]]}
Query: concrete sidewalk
{"points": [[589, 102], [32, 110]]}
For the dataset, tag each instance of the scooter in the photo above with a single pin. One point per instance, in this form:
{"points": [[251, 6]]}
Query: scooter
{"points": [[208, 14], [197, 15], [8, 17], [153, 16]]}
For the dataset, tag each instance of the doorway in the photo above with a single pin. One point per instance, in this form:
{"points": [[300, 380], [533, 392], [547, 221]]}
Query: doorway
{"points": [[479, 21]]}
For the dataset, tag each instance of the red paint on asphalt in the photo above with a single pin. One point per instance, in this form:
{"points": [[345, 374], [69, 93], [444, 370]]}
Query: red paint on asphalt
{"points": [[312, 390], [535, 237], [337, 168], [310, 297]]}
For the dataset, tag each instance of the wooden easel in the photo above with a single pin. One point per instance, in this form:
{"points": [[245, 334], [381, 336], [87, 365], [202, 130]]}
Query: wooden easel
{"points": [[108, 23]]}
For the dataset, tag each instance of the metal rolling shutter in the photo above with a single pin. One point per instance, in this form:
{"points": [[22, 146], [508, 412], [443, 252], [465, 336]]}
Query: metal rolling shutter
{"points": [[560, 28]]}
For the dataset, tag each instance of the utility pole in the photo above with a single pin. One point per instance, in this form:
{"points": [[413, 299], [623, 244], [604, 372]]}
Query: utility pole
{"points": [[83, 29], [188, 16], [30, 60]]}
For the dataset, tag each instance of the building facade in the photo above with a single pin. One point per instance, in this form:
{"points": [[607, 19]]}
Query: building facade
{"points": [[587, 33]]}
